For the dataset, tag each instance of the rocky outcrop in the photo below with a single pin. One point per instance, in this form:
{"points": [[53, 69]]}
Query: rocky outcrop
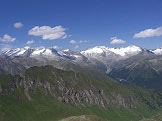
{"points": [[68, 89], [70, 95]]}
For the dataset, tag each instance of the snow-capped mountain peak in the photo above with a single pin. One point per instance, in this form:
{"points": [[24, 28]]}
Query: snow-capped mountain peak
{"points": [[158, 51], [130, 50], [31, 52], [125, 51], [42, 51], [16, 52], [96, 51]]}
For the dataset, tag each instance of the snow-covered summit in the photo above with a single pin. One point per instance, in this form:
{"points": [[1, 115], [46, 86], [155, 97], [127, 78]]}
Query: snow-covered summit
{"points": [[31, 52], [101, 52], [130, 50], [16, 52], [158, 51], [42, 53], [124, 51], [96, 51]]}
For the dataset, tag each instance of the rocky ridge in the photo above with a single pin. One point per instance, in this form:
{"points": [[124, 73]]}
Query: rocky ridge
{"points": [[78, 91]]}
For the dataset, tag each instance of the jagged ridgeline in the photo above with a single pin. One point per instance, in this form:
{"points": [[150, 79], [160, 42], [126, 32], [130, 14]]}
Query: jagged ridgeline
{"points": [[129, 65], [50, 94]]}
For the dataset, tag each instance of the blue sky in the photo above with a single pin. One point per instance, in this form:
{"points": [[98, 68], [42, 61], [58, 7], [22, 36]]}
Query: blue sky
{"points": [[87, 22]]}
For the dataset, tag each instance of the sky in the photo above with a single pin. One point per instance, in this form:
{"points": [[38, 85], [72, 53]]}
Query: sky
{"points": [[80, 24]]}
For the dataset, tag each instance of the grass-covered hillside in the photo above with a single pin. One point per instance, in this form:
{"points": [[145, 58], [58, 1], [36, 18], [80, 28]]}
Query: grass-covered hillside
{"points": [[83, 118], [50, 94], [154, 118]]}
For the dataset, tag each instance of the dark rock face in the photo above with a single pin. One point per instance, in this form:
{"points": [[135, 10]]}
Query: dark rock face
{"points": [[92, 95], [89, 96]]}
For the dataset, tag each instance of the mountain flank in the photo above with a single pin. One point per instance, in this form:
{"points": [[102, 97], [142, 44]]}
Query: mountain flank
{"points": [[47, 93]]}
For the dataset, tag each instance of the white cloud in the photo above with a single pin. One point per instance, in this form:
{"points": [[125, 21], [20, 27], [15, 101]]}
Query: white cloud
{"points": [[115, 40], [56, 47], [149, 33], [73, 42], [7, 38], [76, 47], [84, 41], [30, 42], [18, 25], [49, 33]]}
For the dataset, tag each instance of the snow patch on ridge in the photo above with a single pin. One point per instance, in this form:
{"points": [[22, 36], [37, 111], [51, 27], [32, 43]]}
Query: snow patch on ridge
{"points": [[158, 51], [98, 50], [130, 50]]}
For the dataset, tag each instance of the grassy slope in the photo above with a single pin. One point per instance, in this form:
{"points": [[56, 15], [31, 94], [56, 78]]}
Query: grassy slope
{"points": [[154, 118], [44, 107], [83, 118]]}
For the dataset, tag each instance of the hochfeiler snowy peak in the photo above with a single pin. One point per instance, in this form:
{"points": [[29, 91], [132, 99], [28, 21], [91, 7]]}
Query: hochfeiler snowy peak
{"points": [[130, 50]]}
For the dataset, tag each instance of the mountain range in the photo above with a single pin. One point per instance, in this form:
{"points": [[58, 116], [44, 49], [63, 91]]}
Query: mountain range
{"points": [[128, 65], [98, 84]]}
